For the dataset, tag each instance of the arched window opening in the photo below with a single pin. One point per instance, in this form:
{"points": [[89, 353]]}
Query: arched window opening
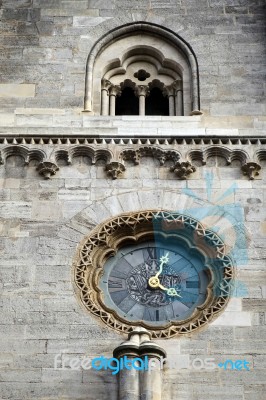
{"points": [[127, 103], [156, 103], [142, 53]]}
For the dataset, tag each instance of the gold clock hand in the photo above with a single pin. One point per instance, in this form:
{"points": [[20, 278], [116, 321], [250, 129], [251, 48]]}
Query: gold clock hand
{"points": [[163, 260], [171, 291], [154, 282]]}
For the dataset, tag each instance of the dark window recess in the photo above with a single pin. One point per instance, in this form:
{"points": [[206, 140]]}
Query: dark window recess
{"points": [[156, 103], [127, 103]]}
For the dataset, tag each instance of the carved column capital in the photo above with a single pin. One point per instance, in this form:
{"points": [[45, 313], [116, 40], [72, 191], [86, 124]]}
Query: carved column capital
{"points": [[183, 169], [115, 169], [168, 90], [47, 169], [142, 90], [115, 90], [177, 85], [106, 84], [251, 169]]}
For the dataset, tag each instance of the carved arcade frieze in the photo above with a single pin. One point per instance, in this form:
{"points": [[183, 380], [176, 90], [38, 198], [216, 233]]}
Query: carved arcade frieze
{"points": [[182, 159]]}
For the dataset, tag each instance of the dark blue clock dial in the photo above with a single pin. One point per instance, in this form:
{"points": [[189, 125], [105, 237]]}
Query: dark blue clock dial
{"points": [[126, 289]]}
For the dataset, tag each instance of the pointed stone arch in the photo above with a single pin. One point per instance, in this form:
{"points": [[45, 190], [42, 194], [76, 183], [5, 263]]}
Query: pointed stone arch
{"points": [[92, 101]]}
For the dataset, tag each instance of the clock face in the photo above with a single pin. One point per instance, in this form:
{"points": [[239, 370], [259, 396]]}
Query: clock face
{"points": [[154, 282]]}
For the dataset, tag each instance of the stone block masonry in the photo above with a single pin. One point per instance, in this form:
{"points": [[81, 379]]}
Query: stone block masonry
{"points": [[44, 48], [223, 35], [40, 315]]}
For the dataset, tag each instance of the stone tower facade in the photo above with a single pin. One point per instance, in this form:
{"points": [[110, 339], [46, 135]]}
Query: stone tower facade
{"points": [[74, 156]]}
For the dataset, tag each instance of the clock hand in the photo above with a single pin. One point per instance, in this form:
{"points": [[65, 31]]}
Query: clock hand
{"points": [[154, 282], [163, 260], [172, 292]]}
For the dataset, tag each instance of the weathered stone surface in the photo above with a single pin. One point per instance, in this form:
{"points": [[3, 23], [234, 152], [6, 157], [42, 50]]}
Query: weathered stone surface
{"points": [[44, 47], [14, 90]]}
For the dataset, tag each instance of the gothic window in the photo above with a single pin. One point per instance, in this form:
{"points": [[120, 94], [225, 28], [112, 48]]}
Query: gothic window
{"points": [[142, 69], [127, 103], [156, 103]]}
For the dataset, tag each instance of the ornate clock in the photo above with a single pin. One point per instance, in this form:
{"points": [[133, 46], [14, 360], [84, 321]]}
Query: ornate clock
{"points": [[154, 282], [160, 270]]}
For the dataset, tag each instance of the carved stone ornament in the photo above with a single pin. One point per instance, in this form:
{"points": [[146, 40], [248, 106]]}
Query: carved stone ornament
{"points": [[142, 90], [47, 169], [115, 169], [145, 151], [251, 169], [115, 90], [116, 233], [183, 169]]}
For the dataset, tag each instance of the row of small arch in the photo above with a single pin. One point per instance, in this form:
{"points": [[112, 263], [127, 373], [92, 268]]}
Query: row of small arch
{"points": [[131, 154]]}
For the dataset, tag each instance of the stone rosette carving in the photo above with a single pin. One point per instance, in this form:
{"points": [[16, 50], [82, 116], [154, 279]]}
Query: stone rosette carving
{"points": [[183, 169], [251, 169], [115, 169], [47, 169], [107, 238]]}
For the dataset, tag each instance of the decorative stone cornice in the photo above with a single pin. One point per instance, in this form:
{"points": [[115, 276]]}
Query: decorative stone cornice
{"points": [[182, 156], [83, 138]]}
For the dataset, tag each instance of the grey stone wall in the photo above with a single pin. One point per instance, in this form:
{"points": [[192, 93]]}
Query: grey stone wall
{"points": [[44, 47], [45, 44], [42, 222]]}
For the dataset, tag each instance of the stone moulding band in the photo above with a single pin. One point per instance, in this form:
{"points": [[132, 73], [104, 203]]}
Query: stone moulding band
{"points": [[90, 139], [113, 156], [134, 227]]}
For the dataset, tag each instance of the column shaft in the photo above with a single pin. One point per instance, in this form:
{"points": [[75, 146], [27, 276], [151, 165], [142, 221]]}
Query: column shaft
{"points": [[128, 385], [179, 103], [105, 102], [171, 105], [151, 384], [112, 104], [141, 105]]}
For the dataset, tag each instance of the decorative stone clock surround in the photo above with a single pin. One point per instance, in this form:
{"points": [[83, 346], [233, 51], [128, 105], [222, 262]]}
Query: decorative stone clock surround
{"points": [[106, 238]]}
